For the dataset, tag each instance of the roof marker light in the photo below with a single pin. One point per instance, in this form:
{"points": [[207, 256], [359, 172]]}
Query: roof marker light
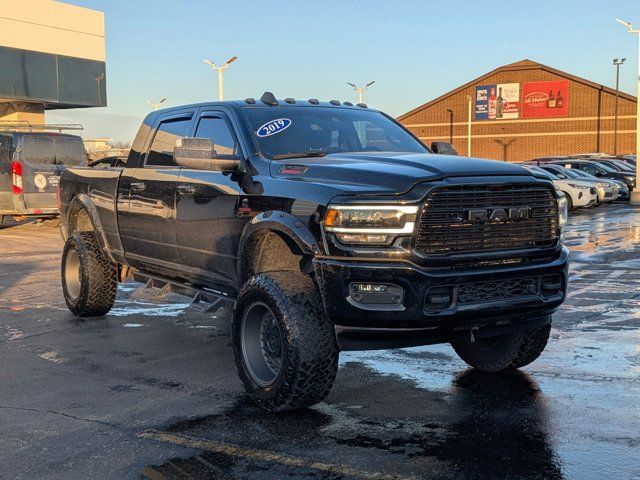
{"points": [[314, 101], [250, 100], [290, 100], [269, 98], [335, 102], [362, 105]]}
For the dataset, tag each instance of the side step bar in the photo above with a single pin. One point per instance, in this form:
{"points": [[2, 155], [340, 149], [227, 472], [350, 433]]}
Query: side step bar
{"points": [[203, 300]]}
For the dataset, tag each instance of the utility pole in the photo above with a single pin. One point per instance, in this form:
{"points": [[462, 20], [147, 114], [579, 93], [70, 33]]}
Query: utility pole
{"points": [[360, 90], [220, 72], [156, 105], [635, 194], [616, 62]]}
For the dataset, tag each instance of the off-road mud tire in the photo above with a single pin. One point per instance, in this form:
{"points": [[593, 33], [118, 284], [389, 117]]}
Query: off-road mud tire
{"points": [[95, 286], [504, 352], [309, 352]]}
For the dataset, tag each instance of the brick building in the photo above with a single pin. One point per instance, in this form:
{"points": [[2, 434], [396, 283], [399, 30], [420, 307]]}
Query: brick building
{"points": [[525, 110]]}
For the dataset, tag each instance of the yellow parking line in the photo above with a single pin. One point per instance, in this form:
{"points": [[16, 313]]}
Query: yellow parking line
{"points": [[264, 455]]}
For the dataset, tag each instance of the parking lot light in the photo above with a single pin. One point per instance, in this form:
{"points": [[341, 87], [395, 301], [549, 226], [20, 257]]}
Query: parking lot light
{"points": [[156, 105], [361, 90], [635, 195], [616, 63], [220, 72]]}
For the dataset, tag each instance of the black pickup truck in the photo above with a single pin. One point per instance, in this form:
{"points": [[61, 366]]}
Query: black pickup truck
{"points": [[330, 227]]}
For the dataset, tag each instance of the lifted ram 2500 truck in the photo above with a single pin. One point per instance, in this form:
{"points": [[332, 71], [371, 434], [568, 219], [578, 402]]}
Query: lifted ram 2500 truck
{"points": [[329, 227]]}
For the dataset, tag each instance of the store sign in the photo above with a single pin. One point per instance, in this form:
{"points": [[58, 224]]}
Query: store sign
{"points": [[498, 101], [545, 99]]}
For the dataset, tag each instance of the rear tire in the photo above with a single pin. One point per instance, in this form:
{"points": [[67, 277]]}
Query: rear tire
{"points": [[504, 352], [285, 347], [89, 278]]}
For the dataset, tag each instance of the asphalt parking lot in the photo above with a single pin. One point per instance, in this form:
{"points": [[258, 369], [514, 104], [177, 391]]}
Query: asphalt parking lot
{"points": [[150, 391]]}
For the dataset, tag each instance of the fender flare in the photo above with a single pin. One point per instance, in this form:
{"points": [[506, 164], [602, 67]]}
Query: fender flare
{"points": [[284, 223], [84, 202]]}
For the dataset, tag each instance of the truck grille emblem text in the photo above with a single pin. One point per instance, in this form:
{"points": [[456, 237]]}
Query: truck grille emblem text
{"points": [[496, 214]]}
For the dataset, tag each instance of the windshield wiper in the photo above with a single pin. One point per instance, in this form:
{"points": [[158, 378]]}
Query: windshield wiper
{"points": [[284, 156]]}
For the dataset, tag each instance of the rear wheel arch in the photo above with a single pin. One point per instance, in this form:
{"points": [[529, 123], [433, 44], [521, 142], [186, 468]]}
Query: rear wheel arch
{"points": [[82, 216]]}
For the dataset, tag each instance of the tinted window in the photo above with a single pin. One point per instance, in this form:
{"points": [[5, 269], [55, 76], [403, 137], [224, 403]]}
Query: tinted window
{"points": [[161, 151], [286, 131], [39, 150], [70, 151], [5, 152], [217, 129], [52, 150], [591, 169]]}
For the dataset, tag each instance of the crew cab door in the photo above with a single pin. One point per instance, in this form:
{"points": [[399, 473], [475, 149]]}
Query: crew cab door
{"points": [[207, 225], [151, 236]]}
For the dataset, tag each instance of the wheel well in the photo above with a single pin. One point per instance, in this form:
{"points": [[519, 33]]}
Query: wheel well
{"points": [[80, 222], [269, 251]]}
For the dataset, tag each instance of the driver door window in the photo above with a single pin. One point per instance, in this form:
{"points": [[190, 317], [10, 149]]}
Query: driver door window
{"points": [[217, 129]]}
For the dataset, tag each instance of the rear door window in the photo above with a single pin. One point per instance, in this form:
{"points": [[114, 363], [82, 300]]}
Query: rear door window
{"points": [[5, 152], [161, 150], [51, 150], [70, 152], [39, 150]]}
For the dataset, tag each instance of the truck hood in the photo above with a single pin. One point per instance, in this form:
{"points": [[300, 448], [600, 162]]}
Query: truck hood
{"points": [[386, 172]]}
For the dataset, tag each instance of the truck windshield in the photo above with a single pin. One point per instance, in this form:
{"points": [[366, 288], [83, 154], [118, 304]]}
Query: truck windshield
{"points": [[53, 150], [289, 132]]}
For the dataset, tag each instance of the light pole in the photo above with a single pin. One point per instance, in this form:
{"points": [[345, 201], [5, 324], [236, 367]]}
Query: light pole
{"points": [[635, 195], [616, 62], [156, 105], [360, 90], [470, 103], [220, 71]]}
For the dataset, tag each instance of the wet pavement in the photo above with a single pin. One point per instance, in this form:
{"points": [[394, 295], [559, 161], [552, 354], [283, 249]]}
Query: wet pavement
{"points": [[150, 391]]}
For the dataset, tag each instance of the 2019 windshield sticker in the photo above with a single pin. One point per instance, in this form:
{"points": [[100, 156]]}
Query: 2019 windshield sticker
{"points": [[274, 126]]}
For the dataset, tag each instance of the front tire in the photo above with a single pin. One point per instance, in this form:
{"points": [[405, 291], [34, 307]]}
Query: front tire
{"points": [[285, 347], [89, 278], [504, 352]]}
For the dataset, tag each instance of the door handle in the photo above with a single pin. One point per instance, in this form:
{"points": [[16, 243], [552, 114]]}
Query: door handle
{"points": [[187, 189], [137, 186]]}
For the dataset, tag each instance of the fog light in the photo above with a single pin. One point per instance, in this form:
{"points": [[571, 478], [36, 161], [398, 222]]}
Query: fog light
{"points": [[551, 285], [363, 294], [438, 298]]}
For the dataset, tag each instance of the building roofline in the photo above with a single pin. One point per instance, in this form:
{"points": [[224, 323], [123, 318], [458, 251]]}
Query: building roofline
{"points": [[525, 64]]}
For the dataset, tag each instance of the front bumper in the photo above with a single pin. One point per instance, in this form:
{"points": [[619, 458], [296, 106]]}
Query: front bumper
{"points": [[479, 298]]}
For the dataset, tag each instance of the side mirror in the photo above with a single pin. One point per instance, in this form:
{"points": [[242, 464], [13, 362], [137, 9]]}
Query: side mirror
{"points": [[443, 148], [200, 154]]}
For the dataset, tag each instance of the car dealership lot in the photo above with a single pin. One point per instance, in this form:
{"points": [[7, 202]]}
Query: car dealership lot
{"points": [[151, 389]]}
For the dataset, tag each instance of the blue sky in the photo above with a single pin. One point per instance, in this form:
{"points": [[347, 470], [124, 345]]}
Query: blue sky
{"points": [[414, 50]]}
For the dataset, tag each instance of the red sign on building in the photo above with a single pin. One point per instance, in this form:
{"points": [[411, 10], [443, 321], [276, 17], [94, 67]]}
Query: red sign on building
{"points": [[545, 99]]}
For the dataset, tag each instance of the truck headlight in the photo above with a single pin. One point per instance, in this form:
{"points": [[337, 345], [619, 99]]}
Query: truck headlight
{"points": [[370, 224], [563, 211]]}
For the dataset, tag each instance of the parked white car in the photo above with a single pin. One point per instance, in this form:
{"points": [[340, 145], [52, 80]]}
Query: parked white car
{"points": [[579, 193], [605, 188]]}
